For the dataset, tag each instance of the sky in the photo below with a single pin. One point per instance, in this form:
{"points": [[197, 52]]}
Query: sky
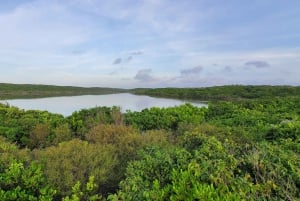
{"points": [[150, 43]]}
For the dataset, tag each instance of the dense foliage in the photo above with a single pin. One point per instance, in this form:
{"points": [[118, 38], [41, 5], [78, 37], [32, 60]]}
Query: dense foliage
{"points": [[247, 149], [165, 118], [21, 179]]}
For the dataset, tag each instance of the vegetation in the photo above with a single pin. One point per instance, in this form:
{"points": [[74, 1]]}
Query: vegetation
{"points": [[13, 91], [228, 93], [247, 148]]}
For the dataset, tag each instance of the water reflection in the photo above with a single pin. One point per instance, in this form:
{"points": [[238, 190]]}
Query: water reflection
{"points": [[67, 105]]}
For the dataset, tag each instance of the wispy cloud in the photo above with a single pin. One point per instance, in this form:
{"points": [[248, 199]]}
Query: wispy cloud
{"points": [[227, 69], [192, 71], [257, 64], [188, 77], [129, 58], [136, 53]]}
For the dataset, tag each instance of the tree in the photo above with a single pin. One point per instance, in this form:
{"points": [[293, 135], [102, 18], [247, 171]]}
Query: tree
{"points": [[38, 137], [62, 133]]}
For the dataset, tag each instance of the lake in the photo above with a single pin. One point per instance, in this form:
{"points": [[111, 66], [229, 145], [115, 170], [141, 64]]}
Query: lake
{"points": [[66, 105]]}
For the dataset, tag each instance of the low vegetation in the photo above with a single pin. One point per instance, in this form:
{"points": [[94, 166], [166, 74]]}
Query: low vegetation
{"points": [[247, 148], [217, 93], [13, 91]]}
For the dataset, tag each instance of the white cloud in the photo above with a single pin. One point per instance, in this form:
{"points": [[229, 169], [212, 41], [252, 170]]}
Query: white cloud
{"points": [[43, 40], [40, 25]]}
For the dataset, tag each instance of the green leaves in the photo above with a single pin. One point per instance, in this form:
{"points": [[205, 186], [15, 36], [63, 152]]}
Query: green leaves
{"points": [[24, 183], [165, 118], [82, 193]]}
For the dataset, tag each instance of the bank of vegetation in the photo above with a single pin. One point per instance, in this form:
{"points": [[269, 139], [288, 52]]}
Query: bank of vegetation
{"points": [[246, 149], [14, 91], [217, 93]]}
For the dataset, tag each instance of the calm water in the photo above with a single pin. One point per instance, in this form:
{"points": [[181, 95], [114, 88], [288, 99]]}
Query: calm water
{"points": [[67, 105]]}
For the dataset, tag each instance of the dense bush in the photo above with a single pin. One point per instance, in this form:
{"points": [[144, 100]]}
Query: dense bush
{"points": [[207, 169], [165, 118], [21, 179], [34, 129], [76, 160], [244, 149]]}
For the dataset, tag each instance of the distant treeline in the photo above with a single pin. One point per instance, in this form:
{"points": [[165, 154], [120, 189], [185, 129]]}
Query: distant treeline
{"points": [[216, 93], [229, 93], [11, 91]]}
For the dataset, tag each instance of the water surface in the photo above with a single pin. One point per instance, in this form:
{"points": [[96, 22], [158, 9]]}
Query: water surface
{"points": [[68, 104]]}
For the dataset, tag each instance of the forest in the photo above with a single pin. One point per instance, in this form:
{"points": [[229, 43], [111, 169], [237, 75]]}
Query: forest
{"points": [[244, 146]]}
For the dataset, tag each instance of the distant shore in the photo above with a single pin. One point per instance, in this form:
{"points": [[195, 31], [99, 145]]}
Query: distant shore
{"points": [[16, 91], [215, 93]]}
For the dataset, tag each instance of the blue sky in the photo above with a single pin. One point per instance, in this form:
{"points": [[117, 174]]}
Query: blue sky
{"points": [[150, 43]]}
